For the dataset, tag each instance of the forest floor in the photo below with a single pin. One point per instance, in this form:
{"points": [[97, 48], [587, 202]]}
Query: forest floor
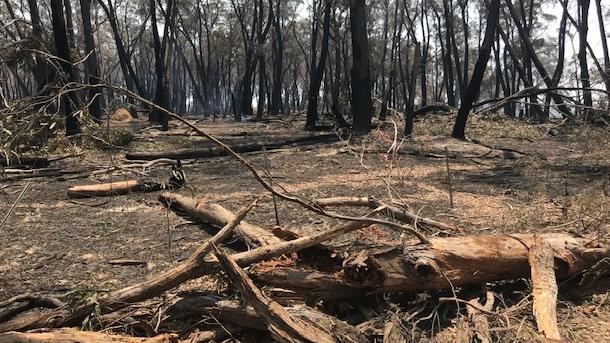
{"points": [[559, 183]]}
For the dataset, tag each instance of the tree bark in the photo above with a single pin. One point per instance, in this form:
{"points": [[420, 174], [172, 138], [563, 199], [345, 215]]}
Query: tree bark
{"points": [[63, 52], [318, 73], [445, 263], [583, 6], [474, 86], [93, 79], [362, 105]]}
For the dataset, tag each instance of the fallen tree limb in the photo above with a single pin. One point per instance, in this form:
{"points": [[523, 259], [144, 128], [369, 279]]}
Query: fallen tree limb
{"points": [[16, 305], [440, 108], [283, 326], [219, 216], [544, 284], [76, 336], [184, 154], [113, 188], [31, 162], [443, 264], [245, 316], [389, 211]]}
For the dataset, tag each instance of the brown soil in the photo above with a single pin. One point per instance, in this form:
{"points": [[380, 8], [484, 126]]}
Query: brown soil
{"points": [[52, 245]]}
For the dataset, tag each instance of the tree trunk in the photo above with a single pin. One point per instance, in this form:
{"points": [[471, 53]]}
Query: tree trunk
{"points": [[362, 105], [474, 87], [537, 62], [318, 73], [93, 73], [63, 52], [583, 6]]}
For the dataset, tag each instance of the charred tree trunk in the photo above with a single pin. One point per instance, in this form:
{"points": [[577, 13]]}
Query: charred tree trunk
{"points": [[583, 6], [362, 105], [160, 47], [278, 60], [93, 72], [537, 62], [62, 46], [318, 73], [129, 75], [604, 40], [474, 87]]}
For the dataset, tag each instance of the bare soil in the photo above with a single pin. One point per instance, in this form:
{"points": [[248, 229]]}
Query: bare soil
{"points": [[52, 245]]}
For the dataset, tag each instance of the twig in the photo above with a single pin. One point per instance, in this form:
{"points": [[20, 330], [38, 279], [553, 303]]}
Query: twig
{"points": [[268, 171], [10, 211], [449, 186]]}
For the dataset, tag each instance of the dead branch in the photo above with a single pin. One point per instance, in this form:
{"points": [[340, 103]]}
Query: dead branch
{"points": [[217, 215], [113, 188], [391, 211], [283, 326], [76, 336]]}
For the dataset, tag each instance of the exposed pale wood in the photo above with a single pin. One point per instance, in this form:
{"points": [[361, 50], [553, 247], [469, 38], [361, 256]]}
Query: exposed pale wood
{"points": [[76, 336], [113, 188], [479, 320], [284, 326], [446, 262], [544, 284], [217, 215], [393, 331]]}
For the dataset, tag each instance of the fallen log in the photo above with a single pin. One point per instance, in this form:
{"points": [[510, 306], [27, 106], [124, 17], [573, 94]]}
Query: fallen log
{"points": [[113, 188], [440, 147], [217, 215], [30, 162], [76, 336], [443, 264], [544, 285], [213, 151]]}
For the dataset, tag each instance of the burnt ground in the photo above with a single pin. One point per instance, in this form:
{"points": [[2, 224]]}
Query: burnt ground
{"points": [[52, 245]]}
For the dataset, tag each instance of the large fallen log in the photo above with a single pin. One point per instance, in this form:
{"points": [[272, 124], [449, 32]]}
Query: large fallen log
{"points": [[443, 264], [217, 215], [214, 151], [113, 188], [76, 336]]}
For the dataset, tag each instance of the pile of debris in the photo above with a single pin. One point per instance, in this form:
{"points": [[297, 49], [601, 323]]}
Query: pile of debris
{"points": [[292, 287]]}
